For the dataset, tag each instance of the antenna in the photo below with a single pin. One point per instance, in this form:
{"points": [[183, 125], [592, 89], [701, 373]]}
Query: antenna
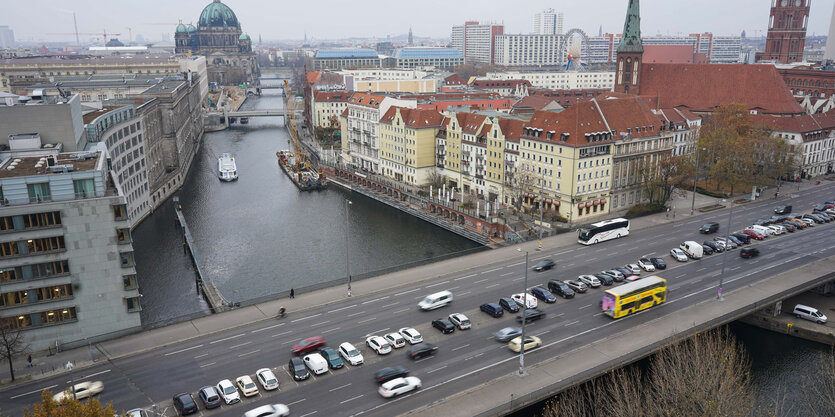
{"points": [[75, 23]]}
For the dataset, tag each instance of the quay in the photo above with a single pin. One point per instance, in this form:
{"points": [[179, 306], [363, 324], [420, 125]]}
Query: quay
{"points": [[778, 317], [215, 299], [304, 176]]}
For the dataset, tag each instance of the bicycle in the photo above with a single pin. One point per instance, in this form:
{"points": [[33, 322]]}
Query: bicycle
{"points": [[281, 313]]}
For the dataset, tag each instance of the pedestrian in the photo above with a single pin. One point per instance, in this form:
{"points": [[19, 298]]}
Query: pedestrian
{"points": [[29, 359], [292, 293]]}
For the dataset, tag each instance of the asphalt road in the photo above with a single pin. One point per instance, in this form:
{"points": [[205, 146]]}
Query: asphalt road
{"points": [[465, 358]]}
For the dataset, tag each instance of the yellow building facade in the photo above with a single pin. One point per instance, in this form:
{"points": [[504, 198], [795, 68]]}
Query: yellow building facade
{"points": [[407, 144]]}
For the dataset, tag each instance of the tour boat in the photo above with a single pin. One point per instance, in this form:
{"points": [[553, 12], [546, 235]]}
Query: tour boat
{"points": [[226, 168]]}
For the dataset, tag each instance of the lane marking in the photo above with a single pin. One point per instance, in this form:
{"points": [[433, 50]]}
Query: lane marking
{"points": [[585, 306], [267, 328], [309, 414], [339, 387], [516, 264], [438, 369], [37, 391], [281, 334], [436, 284], [249, 353], [492, 270], [482, 280], [375, 300], [366, 320], [573, 322], [208, 364], [377, 331], [200, 356], [453, 288], [352, 399], [464, 293], [509, 273], [331, 330], [95, 374], [465, 277], [183, 350], [355, 314], [390, 305], [227, 338], [460, 347], [242, 344], [491, 286], [297, 401], [308, 317], [406, 292], [401, 310], [321, 323], [343, 308]]}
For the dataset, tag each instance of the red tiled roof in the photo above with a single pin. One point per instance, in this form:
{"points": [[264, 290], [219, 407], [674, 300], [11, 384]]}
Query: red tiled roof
{"points": [[511, 128], [455, 79], [367, 100], [800, 124], [534, 102], [345, 112], [414, 118], [672, 54], [702, 87], [331, 96], [313, 76], [576, 122], [470, 122], [630, 115]]}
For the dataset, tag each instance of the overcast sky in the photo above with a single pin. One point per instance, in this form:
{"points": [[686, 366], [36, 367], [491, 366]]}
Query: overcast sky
{"points": [[329, 19]]}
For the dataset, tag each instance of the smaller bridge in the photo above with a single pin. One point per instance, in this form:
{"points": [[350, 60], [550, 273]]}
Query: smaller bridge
{"points": [[249, 113]]}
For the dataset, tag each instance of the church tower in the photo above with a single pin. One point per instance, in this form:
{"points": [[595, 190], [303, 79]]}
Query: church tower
{"points": [[630, 52], [786, 31]]}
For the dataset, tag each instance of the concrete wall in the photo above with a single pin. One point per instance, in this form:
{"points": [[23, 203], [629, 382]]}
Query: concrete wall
{"points": [[57, 123]]}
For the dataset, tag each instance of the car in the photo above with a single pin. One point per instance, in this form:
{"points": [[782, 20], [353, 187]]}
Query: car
{"points": [[762, 222], [824, 218], [444, 325], [137, 412], [493, 309], [184, 404], [615, 274], [333, 359], [507, 333], [711, 227], [809, 222], [531, 342], [421, 350], [658, 263], [560, 288], [316, 363], [783, 210], [791, 228], [798, 223], [208, 396], [749, 252], [530, 315], [678, 255], [753, 234], [459, 320], [351, 354], [589, 280], [82, 390], [544, 265], [742, 237], [604, 279], [391, 372], [395, 340], [308, 345], [413, 336], [707, 250], [297, 369], [378, 344], [543, 295], [399, 386], [777, 229], [733, 239], [713, 246], [646, 265], [578, 286], [636, 270], [267, 379], [728, 244], [809, 313], [269, 410], [509, 304], [228, 391], [625, 271], [248, 387], [525, 298]]}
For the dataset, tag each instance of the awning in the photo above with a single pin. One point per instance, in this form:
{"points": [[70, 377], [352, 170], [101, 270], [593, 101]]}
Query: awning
{"points": [[549, 201], [557, 203], [582, 205]]}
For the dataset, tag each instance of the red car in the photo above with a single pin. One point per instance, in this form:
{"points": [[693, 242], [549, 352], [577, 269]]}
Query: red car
{"points": [[753, 234], [306, 345]]}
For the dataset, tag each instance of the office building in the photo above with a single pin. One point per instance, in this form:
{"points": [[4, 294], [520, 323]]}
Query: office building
{"points": [[529, 50], [717, 49], [547, 22], [422, 57], [345, 58], [6, 37], [476, 41], [560, 80]]}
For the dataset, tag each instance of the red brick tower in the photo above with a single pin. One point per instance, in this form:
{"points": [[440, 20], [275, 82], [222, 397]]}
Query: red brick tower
{"points": [[786, 31]]}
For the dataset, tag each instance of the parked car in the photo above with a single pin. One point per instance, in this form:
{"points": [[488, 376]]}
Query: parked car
{"points": [[378, 344], [269, 410], [578, 286], [530, 315], [333, 359], [605, 279], [753, 235], [799, 223], [395, 340], [616, 275], [809, 313], [308, 345], [248, 387], [208, 396], [589, 280], [507, 333], [82, 390], [228, 391], [297, 369], [525, 298], [531, 342], [777, 229], [493, 309], [543, 295], [789, 226], [742, 237], [646, 265], [713, 246], [749, 252], [678, 255], [636, 270], [350, 354], [421, 350], [413, 336], [508, 304], [184, 404], [711, 227], [460, 321], [544, 265], [560, 288], [658, 263], [399, 386], [389, 373], [707, 250], [443, 325], [728, 244], [316, 363], [267, 379], [626, 272], [734, 239]]}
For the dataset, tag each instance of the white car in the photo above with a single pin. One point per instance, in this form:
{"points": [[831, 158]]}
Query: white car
{"points": [[778, 230], [350, 354], [646, 265], [678, 254], [395, 340], [399, 386], [590, 280], [82, 390], [412, 335], [378, 344], [269, 410], [636, 270], [460, 321], [267, 379], [228, 392], [525, 298], [316, 363], [809, 222], [247, 386]]}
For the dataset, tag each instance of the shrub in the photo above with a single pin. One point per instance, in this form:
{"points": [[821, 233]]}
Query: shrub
{"points": [[644, 209], [701, 190]]}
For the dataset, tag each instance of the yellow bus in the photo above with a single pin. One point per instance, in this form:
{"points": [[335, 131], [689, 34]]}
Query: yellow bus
{"points": [[634, 296]]}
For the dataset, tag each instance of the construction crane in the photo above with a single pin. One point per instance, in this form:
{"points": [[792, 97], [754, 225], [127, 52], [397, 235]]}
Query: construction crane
{"points": [[102, 33]]}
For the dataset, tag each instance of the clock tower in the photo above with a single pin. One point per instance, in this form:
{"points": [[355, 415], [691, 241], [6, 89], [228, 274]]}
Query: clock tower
{"points": [[630, 52], [786, 31]]}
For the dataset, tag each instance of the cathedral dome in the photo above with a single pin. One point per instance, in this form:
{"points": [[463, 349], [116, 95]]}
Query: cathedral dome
{"points": [[217, 14], [190, 28], [181, 28], [243, 37]]}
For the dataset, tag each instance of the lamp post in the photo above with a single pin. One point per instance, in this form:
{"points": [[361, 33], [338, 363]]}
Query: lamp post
{"points": [[541, 206], [524, 317], [693, 202], [347, 247], [725, 252]]}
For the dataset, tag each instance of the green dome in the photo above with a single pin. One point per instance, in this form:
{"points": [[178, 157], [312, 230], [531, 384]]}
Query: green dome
{"points": [[217, 14], [181, 28], [190, 28], [243, 37]]}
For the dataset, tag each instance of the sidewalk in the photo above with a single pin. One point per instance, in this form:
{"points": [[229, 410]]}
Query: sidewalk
{"points": [[48, 365]]}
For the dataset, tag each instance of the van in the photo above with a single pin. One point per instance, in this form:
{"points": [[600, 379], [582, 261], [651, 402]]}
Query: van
{"points": [[763, 230], [692, 249], [437, 300], [809, 313]]}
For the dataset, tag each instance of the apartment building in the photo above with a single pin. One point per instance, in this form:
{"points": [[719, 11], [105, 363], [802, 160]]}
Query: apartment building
{"points": [[327, 106], [525, 50], [476, 41], [717, 49], [347, 58], [422, 57], [560, 80], [407, 144], [359, 124]]}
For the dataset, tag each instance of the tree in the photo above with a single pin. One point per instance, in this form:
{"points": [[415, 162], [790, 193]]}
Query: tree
{"points": [[12, 342], [819, 388], [68, 407], [661, 178], [521, 183]]}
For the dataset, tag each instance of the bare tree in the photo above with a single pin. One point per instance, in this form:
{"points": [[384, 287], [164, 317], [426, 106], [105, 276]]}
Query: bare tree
{"points": [[819, 388], [663, 176], [12, 342], [523, 182]]}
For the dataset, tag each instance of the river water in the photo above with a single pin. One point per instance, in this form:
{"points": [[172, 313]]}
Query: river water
{"points": [[260, 236]]}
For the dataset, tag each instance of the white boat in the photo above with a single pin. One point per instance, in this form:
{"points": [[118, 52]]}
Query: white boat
{"points": [[227, 170]]}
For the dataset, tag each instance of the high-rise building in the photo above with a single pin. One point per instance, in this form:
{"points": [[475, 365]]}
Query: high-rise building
{"points": [[547, 22], [6, 37], [528, 50], [717, 49], [476, 41], [786, 31]]}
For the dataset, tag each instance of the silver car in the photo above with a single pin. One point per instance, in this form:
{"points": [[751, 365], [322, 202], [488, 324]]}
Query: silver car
{"points": [[269, 410], [589, 280], [577, 286], [504, 335]]}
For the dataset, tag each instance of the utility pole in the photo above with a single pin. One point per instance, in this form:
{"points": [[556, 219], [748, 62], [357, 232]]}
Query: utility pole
{"points": [[75, 23], [524, 318], [541, 204], [725, 253], [693, 202], [347, 247]]}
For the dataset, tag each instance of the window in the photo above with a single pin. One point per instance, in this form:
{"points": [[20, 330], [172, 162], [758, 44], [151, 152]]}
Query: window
{"points": [[133, 304], [123, 235], [49, 269], [126, 259], [39, 220], [9, 249], [130, 282], [39, 192], [47, 244], [120, 212]]}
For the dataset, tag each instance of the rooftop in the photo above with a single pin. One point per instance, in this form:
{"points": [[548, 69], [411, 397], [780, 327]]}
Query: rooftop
{"points": [[90, 116], [38, 165], [427, 52], [346, 53], [89, 60]]}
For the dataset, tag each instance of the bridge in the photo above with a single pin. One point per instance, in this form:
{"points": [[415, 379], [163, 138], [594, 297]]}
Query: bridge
{"points": [[471, 374], [226, 115]]}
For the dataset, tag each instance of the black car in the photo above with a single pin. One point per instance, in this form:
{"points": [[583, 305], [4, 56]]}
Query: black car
{"points": [[789, 227], [742, 237], [713, 246], [544, 295], [734, 239], [762, 222], [297, 368], [492, 309], [606, 279], [783, 210], [625, 271], [422, 350], [711, 227], [821, 207], [749, 252], [560, 288], [530, 315], [658, 263], [509, 304], [444, 325], [707, 250], [333, 359], [209, 397], [389, 373], [544, 265], [185, 404]]}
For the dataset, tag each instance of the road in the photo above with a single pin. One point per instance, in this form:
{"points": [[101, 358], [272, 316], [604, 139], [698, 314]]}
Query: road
{"points": [[465, 358]]}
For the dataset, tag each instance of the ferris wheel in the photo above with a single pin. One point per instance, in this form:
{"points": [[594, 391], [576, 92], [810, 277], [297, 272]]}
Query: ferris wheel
{"points": [[575, 50]]}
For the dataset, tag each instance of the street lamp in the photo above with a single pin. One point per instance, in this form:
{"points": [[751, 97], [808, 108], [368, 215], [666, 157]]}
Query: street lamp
{"points": [[347, 247], [541, 204], [725, 253], [693, 202], [524, 317]]}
